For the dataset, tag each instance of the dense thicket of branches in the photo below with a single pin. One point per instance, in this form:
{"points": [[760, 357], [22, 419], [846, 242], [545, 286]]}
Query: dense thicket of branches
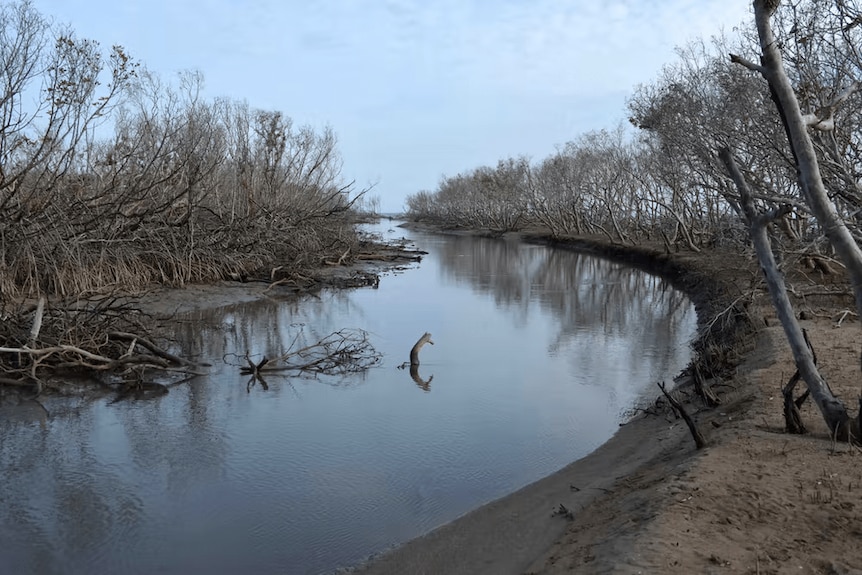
{"points": [[116, 174], [112, 180], [776, 106]]}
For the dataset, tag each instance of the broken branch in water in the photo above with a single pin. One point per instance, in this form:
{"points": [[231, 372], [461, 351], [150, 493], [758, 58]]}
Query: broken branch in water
{"points": [[414, 353], [341, 352], [414, 362]]}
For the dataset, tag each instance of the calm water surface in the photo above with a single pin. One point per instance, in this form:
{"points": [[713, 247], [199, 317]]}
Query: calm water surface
{"points": [[538, 354]]}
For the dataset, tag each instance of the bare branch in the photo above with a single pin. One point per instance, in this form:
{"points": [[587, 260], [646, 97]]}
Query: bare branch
{"points": [[341, 352], [746, 63]]}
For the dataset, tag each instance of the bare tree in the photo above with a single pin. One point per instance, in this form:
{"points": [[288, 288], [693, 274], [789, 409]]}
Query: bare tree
{"points": [[815, 194], [112, 179]]}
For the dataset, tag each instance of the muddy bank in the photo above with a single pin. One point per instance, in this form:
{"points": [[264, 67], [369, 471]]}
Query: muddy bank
{"points": [[522, 532], [364, 271]]}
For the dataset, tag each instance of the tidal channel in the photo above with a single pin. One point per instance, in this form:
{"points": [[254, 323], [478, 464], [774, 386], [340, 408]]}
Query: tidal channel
{"points": [[539, 354]]}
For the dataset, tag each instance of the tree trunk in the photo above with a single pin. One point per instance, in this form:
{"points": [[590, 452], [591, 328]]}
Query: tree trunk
{"points": [[833, 410], [810, 180]]}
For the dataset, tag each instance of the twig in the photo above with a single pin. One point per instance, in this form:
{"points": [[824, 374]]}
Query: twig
{"points": [[844, 315], [724, 312], [341, 352]]}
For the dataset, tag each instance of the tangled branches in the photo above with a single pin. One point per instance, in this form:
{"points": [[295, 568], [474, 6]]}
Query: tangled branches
{"points": [[340, 353], [39, 343]]}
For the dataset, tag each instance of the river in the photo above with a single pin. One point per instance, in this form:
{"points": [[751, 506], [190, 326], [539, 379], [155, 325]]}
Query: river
{"points": [[538, 356]]}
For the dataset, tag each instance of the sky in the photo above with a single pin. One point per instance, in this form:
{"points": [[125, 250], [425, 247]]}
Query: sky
{"points": [[414, 89]]}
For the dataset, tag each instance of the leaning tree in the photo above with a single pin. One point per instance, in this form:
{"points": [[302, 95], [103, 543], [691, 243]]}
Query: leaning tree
{"points": [[845, 21]]}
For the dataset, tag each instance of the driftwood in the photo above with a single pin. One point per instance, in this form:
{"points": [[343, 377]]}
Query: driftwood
{"points": [[43, 344], [151, 347], [414, 353], [413, 364], [699, 440], [341, 352], [66, 357]]}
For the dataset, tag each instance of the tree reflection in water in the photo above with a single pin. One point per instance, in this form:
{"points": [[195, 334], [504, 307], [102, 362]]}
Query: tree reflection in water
{"points": [[591, 298], [424, 384]]}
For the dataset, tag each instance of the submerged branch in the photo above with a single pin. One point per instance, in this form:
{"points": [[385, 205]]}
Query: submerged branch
{"points": [[341, 352]]}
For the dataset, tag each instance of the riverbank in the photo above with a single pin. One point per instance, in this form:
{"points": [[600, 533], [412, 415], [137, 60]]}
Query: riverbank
{"points": [[98, 334], [374, 260], [756, 500]]}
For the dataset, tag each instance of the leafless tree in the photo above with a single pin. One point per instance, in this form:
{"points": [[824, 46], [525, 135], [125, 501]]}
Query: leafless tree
{"points": [[112, 179], [815, 194]]}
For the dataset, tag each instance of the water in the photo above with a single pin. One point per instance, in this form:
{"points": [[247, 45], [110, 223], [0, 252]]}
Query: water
{"points": [[537, 355]]}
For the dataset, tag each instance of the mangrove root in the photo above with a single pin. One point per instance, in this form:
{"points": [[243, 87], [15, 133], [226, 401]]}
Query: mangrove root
{"points": [[704, 390]]}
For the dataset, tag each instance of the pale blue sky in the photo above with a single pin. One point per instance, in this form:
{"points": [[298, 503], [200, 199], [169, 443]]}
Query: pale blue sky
{"points": [[414, 88]]}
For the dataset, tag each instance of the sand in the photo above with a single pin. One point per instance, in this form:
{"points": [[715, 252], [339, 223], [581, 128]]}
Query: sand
{"points": [[755, 500]]}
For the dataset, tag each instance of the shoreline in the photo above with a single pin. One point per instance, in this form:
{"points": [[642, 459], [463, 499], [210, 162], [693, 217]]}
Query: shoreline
{"points": [[522, 532], [510, 534]]}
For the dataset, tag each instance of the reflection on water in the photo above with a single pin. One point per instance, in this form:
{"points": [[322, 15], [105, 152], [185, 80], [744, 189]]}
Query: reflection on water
{"points": [[537, 354], [424, 384], [595, 302]]}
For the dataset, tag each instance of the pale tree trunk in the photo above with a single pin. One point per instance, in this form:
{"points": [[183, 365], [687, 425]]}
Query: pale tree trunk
{"points": [[814, 192], [833, 410], [796, 125]]}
